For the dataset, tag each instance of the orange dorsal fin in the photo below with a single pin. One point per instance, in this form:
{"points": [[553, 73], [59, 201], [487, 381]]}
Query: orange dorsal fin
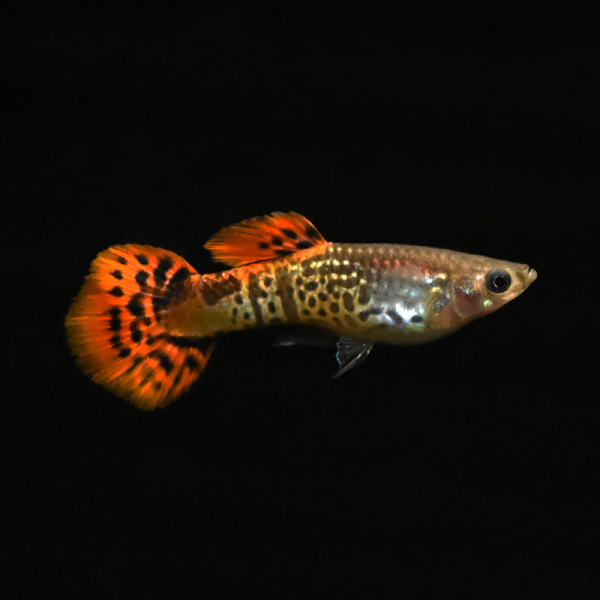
{"points": [[116, 326], [264, 238]]}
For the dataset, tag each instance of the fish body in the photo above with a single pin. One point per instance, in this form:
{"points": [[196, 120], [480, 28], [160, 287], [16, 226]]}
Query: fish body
{"points": [[145, 322]]}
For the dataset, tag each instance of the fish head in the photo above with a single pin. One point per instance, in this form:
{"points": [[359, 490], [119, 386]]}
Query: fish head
{"points": [[488, 285]]}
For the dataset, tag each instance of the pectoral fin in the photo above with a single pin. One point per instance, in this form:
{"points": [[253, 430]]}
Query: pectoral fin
{"points": [[350, 354]]}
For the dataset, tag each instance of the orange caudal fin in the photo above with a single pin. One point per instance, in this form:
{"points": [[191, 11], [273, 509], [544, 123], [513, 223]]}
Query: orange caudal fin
{"points": [[264, 238], [116, 326]]}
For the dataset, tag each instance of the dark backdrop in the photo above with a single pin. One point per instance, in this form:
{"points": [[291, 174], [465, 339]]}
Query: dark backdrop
{"points": [[466, 468]]}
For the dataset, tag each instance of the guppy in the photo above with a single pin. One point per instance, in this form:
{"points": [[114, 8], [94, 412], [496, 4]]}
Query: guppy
{"points": [[144, 323]]}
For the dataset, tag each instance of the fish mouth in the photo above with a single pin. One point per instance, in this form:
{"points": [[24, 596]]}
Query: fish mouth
{"points": [[531, 275]]}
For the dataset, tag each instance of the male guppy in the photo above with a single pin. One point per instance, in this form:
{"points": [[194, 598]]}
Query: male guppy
{"points": [[144, 322]]}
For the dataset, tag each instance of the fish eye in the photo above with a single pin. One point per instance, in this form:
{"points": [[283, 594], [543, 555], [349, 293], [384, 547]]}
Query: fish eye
{"points": [[498, 281]]}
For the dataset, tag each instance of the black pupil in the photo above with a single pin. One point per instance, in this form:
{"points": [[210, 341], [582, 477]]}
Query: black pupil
{"points": [[499, 281]]}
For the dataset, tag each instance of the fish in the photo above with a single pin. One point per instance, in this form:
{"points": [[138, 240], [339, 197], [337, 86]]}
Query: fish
{"points": [[144, 323]]}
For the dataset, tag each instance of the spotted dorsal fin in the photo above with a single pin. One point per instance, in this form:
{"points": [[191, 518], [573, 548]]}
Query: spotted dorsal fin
{"points": [[264, 238]]}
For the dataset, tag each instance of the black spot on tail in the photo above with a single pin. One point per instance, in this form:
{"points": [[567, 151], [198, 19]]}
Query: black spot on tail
{"points": [[141, 278], [117, 292], [159, 303], [163, 360], [191, 363], [135, 306], [136, 361], [115, 341], [160, 273], [182, 341], [136, 334], [115, 321], [179, 276]]}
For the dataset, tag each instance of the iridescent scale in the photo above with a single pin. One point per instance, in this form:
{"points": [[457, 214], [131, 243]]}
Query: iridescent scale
{"points": [[381, 292]]}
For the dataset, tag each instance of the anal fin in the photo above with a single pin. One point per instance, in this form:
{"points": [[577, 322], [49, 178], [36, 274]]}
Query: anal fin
{"points": [[351, 353]]}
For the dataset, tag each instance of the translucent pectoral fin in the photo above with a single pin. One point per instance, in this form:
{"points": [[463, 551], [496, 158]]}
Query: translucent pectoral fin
{"points": [[350, 354]]}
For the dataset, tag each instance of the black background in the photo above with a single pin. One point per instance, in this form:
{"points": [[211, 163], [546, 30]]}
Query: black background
{"points": [[467, 468]]}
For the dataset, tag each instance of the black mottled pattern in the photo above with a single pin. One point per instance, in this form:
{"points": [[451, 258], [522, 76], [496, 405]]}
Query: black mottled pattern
{"points": [[135, 305], [136, 334], [141, 278], [142, 259], [117, 292], [191, 363], [203, 345], [348, 301], [160, 273], [163, 360], [115, 320], [214, 289], [159, 303], [289, 233], [395, 317], [179, 277], [363, 315], [115, 341], [285, 292], [117, 274], [312, 232], [364, 294], [136, 361], [254, 293]]}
